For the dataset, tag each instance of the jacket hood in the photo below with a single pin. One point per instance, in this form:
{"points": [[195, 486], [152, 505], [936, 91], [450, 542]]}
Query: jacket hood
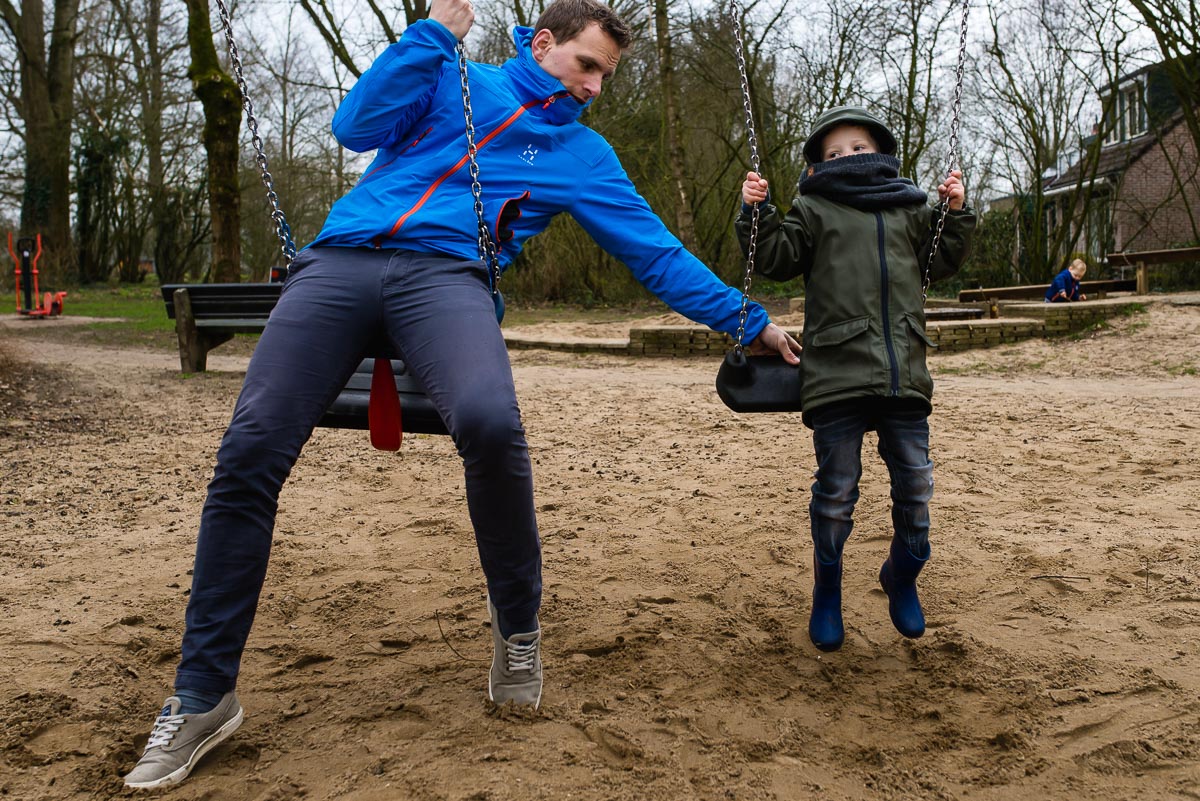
{"points": [[531, 82], [847, 115]]}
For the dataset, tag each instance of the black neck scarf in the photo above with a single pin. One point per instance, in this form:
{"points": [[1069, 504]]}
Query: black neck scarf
{"points": [[867, 182]]}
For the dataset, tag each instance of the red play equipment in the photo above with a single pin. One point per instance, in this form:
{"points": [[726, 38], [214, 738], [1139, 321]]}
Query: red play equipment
{"points": [[27, 280]]}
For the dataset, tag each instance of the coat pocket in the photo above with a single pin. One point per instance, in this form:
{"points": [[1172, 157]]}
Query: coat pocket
{"points": [[915, 326], [918, 343], [838, 333], [841, 357]]}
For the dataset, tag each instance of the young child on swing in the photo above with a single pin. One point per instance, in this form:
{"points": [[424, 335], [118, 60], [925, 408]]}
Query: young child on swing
{"points": [[861, 236]]}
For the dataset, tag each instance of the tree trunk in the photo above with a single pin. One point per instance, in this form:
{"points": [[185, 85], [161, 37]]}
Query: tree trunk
{"points": [[152, 109], [685, 223], [222, 106], [47, 107]]}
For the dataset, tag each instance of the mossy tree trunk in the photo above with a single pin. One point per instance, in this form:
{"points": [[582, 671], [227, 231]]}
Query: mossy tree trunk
{"points": [[221, 101]]}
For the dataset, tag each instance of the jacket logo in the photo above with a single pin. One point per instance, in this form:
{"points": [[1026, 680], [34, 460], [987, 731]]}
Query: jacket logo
{"points": [[528, 153]]}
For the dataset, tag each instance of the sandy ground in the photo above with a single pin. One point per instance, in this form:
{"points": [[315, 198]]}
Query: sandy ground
{"points": [[1062, 659]]}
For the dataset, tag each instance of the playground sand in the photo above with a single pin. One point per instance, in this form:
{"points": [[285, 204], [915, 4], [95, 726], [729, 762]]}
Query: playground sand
{"points": [[1062, 659]]}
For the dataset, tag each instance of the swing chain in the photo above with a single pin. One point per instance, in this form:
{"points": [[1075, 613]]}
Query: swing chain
{"points": [[953, 155], [487, 248], [739, 49], [282, 230]]}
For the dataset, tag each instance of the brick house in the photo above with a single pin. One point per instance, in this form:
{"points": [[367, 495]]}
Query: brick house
{"points": [[1145, 180]]}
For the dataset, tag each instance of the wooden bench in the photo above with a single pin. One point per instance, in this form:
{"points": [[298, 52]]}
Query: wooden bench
{"points": [[1144, 258], [208, 315], [1038, 291]]}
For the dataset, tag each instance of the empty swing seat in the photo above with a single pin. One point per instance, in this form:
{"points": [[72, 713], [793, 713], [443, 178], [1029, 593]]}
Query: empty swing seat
{"points": [[349, 409]]}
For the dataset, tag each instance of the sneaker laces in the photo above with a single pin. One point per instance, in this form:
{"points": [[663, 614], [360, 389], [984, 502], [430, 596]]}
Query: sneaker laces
{"points": [[164, 731], [521, 656]]}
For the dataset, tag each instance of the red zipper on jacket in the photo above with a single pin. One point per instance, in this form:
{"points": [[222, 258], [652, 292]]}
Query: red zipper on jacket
{"points": [[407, 148], [478, 146]]}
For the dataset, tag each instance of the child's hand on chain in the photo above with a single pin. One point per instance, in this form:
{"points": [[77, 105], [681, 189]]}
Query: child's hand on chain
{"points": [[754, 190], [952, 190]]}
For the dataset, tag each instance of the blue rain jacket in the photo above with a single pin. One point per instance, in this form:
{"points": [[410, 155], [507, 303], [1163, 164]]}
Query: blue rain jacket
{"points": [[535, 160]]}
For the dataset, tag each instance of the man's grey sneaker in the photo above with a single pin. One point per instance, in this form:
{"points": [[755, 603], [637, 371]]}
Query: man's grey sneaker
{"points": [[516, 673], [178, 741]]}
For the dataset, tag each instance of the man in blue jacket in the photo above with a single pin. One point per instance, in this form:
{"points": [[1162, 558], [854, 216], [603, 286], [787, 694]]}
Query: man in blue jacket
{"points": [[399, 255]]}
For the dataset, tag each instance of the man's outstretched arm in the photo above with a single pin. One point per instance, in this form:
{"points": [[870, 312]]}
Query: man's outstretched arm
{"points": [[610, 209]]}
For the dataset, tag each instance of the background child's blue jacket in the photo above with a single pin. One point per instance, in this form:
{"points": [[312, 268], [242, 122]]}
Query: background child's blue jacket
{"points": [[535, 161], [1063, 282]]}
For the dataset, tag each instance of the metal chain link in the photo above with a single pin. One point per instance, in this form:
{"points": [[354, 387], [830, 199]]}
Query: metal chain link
{"points": [[953, 155], [286, 245], [487, 248], [751, 250]]}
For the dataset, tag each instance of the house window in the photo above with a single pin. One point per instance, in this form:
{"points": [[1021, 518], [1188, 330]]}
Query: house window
{"points": [[1135, 111], [1099, 226], [1112, 119], [1126, 115], [1051, 220]]}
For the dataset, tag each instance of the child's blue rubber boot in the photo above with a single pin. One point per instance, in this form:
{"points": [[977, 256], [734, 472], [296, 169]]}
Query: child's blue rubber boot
{"points": [[898, 577], [825, 627]]}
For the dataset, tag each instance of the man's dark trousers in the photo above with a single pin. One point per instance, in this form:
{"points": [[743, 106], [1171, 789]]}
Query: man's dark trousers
{"points": [[438, 312]]}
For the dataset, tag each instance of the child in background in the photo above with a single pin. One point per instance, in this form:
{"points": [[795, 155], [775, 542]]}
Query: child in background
{"points": [[861, 237], [1065, 286]]}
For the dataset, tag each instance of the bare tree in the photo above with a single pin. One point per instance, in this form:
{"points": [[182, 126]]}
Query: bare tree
{"points": [[294, 107], [684, 222], [716, 133], [913, 97], [1035, 95], [1176, 27], [334, 29], [46, 107]]}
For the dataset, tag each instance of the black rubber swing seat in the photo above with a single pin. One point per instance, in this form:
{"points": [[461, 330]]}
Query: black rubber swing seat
{"points": [[349, 409], [759, 383]]}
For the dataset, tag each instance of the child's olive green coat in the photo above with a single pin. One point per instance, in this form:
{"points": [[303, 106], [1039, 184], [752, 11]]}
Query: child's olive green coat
{"points": [[864, 323]]}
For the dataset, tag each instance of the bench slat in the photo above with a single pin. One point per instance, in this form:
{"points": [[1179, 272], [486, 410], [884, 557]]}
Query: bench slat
{"points": [[225, 300], [232, 326]]}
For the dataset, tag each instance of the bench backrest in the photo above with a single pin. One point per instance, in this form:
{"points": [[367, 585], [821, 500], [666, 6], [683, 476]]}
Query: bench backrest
{"points": [[235, 301], [1038, 291]]}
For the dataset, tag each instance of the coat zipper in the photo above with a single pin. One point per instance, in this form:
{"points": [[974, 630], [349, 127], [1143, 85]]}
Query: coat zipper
{"points": [[428, 193], [893, 367]]}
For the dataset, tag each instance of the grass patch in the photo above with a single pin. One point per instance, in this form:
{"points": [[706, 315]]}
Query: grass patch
{"points": [[121, 316], [1091, 330], [129, 315], [137, 307], [1133, 326]]}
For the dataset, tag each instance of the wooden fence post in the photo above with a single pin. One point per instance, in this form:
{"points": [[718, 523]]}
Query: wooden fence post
{"points": [[1143, 279]]}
